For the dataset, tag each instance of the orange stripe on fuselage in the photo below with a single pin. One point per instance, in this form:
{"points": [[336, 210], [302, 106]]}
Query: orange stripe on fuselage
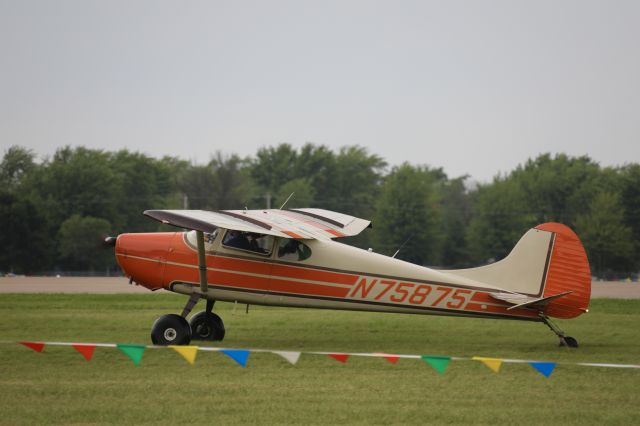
{"points": [[313, 275], [239, 280], [286, 286]]}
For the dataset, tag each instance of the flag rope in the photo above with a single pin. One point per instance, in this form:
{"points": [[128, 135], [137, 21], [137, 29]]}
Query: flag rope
{"points": [[240, 355]]}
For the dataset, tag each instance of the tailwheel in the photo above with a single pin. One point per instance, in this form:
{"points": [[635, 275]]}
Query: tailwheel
{"points": [[569, 341], [564, 339], [171, 329], [207, 326]]}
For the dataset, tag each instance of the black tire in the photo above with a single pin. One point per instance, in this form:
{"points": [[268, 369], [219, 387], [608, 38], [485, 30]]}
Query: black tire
{"points": [[171, 329], [207, 326], [571, 342]]}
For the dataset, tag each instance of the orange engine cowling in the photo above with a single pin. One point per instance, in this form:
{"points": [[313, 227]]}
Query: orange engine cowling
{"points": [[142, 256]]}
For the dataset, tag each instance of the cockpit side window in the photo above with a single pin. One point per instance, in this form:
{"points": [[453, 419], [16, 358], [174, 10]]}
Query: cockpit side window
{"points": [[248, 241], [290, 249], [209, 239]]}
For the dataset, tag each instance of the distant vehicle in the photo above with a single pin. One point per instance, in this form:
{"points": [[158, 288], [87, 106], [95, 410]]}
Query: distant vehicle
{"points": [[289, 258]]}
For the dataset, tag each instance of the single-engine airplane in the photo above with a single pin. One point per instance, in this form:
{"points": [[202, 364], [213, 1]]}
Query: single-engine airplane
{"points": [[288, 258]]}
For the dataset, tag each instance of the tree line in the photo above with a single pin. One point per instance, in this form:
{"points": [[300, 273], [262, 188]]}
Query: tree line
{"points": [[54, 213]]}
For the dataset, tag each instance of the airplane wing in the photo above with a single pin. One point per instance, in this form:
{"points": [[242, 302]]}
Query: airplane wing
{"points": [[290, 223]]}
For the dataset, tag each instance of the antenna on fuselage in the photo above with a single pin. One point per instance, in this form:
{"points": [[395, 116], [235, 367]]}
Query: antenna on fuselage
{"points": [[287, 200], [403, 244]]}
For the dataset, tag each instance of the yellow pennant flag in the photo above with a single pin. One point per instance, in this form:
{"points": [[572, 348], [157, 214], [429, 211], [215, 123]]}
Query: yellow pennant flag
{"points": [[188, 352], [492, 363]]}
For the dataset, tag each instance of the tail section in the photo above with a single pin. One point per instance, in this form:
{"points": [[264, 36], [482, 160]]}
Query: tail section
{"points": [[568, 271], [547, 270]]}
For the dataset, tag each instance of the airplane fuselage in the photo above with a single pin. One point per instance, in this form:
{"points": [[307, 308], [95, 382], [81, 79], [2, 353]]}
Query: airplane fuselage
{"points": [[334, 276]]}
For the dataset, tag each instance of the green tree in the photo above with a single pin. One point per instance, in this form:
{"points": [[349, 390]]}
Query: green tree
{"points": [[24, 242], [224, 183], [500, 216], [302, 190], [607, 239], [630, 200], [559, 188], [76, 181], [142, 183], [408, 209], [456, 208], [233, 186], [16, 163], [273, 167], [80, 243]]}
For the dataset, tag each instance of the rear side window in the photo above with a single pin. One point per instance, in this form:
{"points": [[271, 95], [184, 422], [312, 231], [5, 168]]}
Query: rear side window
{"points": [[293, 250]]}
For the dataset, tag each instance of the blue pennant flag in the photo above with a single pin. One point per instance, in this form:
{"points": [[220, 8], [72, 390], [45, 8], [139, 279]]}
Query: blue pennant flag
{"points": [[545, 368], [238, 355]]}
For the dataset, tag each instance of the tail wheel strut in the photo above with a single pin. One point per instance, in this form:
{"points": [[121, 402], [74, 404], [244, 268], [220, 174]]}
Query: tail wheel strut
{"points": [[564, 339]]}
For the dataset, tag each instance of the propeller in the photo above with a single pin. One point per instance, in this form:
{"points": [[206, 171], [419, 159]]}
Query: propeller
{"points": [[110, 241]]}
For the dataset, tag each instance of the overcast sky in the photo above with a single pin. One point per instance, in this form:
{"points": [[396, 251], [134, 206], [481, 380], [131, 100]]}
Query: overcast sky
{"points": [[472, 86]]}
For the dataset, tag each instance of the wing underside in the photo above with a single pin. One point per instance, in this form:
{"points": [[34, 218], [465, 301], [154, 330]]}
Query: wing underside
{"points": [[292, 223]]}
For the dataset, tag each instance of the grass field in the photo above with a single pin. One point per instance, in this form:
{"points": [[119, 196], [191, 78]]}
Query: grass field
{"points": [[60, 387]]}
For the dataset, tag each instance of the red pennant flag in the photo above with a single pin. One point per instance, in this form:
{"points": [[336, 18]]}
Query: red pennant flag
{"points": [[391, 358], [340, 357], [36, 346], [85, 350]]}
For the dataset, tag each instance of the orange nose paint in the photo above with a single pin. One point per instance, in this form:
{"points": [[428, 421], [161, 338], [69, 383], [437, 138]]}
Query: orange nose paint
{"points": [[142, 256]]}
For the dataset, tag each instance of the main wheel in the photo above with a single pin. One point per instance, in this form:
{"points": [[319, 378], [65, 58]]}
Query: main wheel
{"points": [[207, 326], [171, 329]]}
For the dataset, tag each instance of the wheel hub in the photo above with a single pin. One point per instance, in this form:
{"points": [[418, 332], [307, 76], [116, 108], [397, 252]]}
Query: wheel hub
{"points": [[203, 330], [170, 334]]}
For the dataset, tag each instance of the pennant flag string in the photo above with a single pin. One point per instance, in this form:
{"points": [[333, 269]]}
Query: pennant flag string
{"points": [[240, 356]]}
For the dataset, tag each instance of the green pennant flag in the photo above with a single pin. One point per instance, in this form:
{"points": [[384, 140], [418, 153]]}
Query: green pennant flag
{"points": [[439, 363], [133, 351]]}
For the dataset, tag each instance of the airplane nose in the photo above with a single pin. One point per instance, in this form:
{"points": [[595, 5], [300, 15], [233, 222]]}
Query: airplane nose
{"points": [[142, 256]]}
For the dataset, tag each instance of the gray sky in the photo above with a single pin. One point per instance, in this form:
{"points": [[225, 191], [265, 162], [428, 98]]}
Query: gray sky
{"points": [[471, 86]]}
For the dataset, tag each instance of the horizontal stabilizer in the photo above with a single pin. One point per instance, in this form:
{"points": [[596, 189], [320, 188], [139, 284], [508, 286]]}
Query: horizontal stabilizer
{"points": [[521, 301]]}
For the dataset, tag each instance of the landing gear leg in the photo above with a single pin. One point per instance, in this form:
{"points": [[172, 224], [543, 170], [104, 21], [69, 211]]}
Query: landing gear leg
{"points": [[564, 339], [191, 303]]}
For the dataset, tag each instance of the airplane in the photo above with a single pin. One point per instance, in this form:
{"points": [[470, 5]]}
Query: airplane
{"points": [[288, 257]]}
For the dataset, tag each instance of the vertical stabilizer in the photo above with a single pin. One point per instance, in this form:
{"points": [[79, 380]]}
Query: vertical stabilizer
{"points": [[568, 271]]}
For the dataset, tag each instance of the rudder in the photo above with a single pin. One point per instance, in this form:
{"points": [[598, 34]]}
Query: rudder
{"points": [[568, 271]]}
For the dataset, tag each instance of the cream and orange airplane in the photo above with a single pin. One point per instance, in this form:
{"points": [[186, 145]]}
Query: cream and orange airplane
{"points": [[288, 258]]}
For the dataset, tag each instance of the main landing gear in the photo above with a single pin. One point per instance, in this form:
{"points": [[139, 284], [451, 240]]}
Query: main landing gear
{"points": [[564, 339], [173, 329]]}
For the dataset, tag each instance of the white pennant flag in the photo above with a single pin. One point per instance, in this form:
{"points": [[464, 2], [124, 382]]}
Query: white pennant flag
{"points": [[292, 357]]}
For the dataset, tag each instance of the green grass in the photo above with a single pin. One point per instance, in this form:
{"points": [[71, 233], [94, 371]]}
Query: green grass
{"points": [[60, 387]]}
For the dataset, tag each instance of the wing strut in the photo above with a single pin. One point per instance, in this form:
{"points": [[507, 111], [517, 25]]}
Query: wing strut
{"points": [[202, 263]]}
